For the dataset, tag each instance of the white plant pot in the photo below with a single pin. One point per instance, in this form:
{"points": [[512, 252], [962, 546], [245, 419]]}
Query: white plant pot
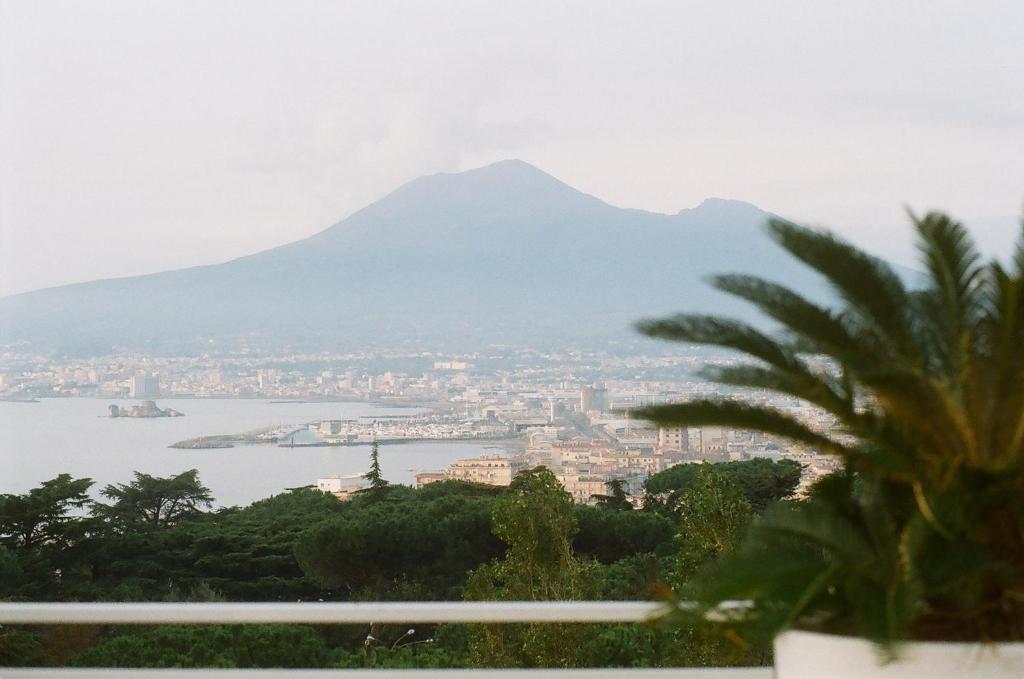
{"points": [[810, 655]]}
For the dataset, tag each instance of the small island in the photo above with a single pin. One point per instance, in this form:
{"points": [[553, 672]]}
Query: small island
{"points": [[147, 409]]}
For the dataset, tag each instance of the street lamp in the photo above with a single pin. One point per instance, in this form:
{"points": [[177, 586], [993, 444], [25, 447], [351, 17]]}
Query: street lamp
{"points": [[407, 634], [417, 643]]}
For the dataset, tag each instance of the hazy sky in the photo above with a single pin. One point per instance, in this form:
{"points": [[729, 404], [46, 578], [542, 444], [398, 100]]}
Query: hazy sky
{"points": [[139, 136]]}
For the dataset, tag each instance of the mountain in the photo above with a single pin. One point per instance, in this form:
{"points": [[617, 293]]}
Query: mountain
{"points": [[504, 253]]}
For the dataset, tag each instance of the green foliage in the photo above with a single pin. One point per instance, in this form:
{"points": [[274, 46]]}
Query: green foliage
{"points": [[616, 499], [248, 554], [42, 534], [411, 544], [923, 536], [11, 572], [637, 577], [609, 536], [714, 515], [127, 565], [152, 502], [210, 646], [444, 648], [763, 482], [44, 514], [305, 545], [623, 646], [420, 656], [240, 554], [19, 647], [378, 484], [535, 520]]}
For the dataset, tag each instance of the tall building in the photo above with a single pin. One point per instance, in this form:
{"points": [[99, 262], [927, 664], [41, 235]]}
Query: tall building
{"points": [[673, 439], [713, 440], [144, 386], [594, 398]]}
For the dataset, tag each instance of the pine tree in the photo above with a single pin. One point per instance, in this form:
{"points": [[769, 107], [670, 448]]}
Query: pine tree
{"points": [[616, 499], [377, 481]]}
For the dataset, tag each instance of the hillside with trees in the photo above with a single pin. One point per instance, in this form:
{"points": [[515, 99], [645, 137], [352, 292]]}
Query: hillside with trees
{"points": [[155, 539]]}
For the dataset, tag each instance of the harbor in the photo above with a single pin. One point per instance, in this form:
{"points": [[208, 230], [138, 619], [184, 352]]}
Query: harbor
{"points": [[390, 429], [237, 471]]}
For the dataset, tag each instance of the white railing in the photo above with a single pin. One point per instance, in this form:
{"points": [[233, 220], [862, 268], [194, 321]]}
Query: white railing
{"points": [[349, 613]]}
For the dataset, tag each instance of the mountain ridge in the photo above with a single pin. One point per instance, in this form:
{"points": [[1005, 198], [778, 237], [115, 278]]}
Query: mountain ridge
{"points": [[506, 249]]}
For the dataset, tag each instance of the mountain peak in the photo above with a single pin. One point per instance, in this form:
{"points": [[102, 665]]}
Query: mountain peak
{"points": [[510, 166], [505, 174], [513, 185], [724, 211], [504, 252]]}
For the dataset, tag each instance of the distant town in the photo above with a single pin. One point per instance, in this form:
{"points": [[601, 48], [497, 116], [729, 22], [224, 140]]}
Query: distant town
{"points": [[569, 411]]}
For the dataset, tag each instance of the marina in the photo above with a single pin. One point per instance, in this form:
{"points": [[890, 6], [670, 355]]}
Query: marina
{"points": [[384, 429], [64, 435]]}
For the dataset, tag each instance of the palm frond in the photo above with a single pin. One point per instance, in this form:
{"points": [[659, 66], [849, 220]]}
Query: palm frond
{"points": [[1012, 359], [921, 535], [820, 390], [1018, 255], [879, 520], [928, 411], [824, 528], [741, 416], [823, 330], [867, 283], [952, 261], [720, 332], [1003, 361]]}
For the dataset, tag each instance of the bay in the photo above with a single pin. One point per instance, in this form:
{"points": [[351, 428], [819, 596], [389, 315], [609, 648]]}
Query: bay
{"points": [[38, 441]]}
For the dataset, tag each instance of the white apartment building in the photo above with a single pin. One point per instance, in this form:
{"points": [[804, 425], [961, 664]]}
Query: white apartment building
{"points": [[341, 487]]}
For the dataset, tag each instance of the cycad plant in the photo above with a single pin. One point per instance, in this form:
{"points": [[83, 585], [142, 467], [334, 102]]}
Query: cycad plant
{"points": [[921, 534]]}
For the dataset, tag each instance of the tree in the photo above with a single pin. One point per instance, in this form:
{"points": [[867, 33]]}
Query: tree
{"points": [[714, 514], [616, 499], [248, 554], [43, 516], [221, 646], [21, 647], [155, 502], [763, 482], [418, 544], [535, 520], [11, 572], [42, 534], [378, 484], [922, 534], [609, 536]]}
